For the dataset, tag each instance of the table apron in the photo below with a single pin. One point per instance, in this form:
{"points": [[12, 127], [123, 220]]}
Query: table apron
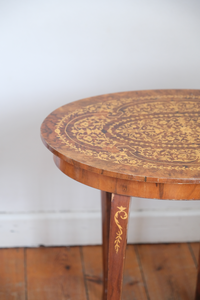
{"points": [[129, 187]]}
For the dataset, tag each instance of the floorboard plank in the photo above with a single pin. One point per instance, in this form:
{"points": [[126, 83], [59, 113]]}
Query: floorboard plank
{"points": [[133, 285], [92, 256], [12, 277], [55, 273], [169, 271]]}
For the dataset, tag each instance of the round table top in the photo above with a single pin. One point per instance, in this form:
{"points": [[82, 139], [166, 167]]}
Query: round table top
{"points": [[149, 136]]}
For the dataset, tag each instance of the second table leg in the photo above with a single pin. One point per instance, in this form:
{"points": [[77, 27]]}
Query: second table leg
{"points": [[115, 212], [197, 296]]}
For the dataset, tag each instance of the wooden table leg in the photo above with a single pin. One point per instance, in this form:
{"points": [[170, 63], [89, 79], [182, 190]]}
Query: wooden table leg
{"points": [[197, 296], [115, 212], [106, 208]]}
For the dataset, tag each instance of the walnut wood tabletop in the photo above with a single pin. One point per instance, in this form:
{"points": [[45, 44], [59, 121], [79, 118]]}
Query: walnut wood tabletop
{"points": [[141, 143]]}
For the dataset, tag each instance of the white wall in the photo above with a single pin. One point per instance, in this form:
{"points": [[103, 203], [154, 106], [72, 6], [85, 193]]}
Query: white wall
{"points": [[55, 52]]}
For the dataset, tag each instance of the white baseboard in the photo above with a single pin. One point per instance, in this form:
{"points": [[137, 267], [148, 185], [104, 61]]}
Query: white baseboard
{"points": [[67, 228]]}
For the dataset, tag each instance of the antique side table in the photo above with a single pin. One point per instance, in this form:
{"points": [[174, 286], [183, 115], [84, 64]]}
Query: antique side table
{"points": [[142, 143]]}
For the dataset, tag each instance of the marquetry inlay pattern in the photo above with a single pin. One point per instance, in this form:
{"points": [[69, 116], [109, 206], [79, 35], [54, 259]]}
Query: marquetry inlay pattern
{"points": [[153, 132]]}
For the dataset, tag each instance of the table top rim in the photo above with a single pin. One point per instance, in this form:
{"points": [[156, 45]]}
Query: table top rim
{"points": [[126, 175]]}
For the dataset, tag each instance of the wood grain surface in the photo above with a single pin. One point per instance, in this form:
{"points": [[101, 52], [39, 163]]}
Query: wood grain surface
{"points": [[12, 274], [146, 136], [55, 273], [169, 271]]}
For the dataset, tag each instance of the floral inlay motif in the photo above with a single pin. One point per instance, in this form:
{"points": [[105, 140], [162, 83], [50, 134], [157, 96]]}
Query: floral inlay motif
{"points": [[120, 232]]}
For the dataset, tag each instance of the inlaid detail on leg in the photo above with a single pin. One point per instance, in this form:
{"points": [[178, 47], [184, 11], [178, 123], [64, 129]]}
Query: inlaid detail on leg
{"points": [[120, 232]]}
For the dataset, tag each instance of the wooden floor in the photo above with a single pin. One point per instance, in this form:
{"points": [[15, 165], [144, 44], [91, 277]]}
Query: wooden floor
{"points": [[152, 272]]}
